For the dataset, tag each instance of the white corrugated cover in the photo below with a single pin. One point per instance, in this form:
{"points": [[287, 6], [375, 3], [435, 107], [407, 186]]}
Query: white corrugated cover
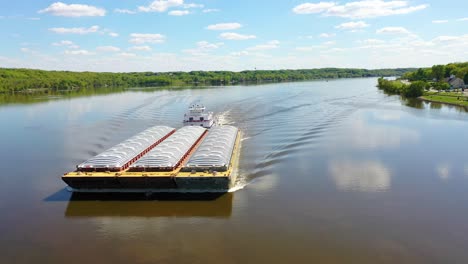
{"points": [[172, 150], [119, 155], [216, 149]]}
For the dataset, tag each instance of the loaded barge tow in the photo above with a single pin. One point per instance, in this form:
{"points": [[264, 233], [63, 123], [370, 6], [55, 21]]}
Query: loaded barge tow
{"points": [[163, 159]]}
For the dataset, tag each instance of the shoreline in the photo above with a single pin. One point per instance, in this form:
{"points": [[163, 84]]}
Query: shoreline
{"points": [[422, 98]]}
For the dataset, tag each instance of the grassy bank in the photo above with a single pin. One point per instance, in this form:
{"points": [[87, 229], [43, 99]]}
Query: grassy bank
{"points": [[451, 99]]}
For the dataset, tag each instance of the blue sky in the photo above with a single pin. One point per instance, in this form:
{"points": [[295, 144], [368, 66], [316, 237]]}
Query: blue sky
{"points": [[182, 35]]}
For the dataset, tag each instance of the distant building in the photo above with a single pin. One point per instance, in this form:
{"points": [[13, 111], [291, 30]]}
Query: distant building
{"points": [[455, 83]]}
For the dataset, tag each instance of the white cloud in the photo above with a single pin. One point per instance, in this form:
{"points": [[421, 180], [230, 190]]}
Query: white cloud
{"points": [[78, 52], [236, 36], [124, 11], [63, 43], [73, 10], [414, 50], [66, 43], [308, 48], [113, 34], [439, 21], [323, 47], [451, 40], [108, 49], [397, 51], [179, 12], [463, 19], [445, 38], [224, 26], [210, 10], [141, 48], [359, 9], [333, 50], [78, 30], [311, 8], [203, 47], [371, 41], [161, 5], [127, 54], [138, 38], [327, 35], [207, 45], [274, 44], [193, 5], [352, 25], [26, 50], [240, 53], [393, 30]]}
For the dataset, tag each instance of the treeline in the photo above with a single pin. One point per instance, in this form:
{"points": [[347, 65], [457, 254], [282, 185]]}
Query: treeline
{"points": [[424, 79], [28, 80], [438, 73], [414, 89]]}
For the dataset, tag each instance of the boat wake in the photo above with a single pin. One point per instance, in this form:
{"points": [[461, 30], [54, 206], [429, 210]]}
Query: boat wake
{"points": [[223, 118], [237, 188]]}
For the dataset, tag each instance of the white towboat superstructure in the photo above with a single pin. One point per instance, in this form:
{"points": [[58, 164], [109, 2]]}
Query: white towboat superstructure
{"points": [[198, 116]]}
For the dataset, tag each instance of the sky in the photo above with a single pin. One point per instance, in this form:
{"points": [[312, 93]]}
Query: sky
{"points": [[186, 35]]}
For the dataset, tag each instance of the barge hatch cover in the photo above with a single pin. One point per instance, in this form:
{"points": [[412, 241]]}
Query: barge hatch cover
{"points": [[215, 152], [122, 155], [168, 155]]}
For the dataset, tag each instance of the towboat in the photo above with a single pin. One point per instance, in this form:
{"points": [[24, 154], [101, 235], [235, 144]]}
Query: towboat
{"points": [[198, 116]]}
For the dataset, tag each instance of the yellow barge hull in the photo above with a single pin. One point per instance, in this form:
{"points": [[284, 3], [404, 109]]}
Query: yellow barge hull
{"points": [[162, 181]]}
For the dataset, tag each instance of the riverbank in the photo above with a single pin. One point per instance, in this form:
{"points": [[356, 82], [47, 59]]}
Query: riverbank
{"points": [[28, 80], [450, 99]]}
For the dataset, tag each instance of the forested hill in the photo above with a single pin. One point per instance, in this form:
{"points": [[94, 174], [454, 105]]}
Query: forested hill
{"points": [[18, 80]]}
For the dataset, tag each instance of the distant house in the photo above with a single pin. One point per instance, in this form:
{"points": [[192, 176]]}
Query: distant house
{"points": [[455, 83]]}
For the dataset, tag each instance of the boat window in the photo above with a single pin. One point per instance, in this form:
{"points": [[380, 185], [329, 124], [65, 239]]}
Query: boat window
{"points": [[201, 118], [190, 118]]}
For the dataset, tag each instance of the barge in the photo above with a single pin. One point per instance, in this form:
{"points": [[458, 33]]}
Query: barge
{"points": [[163, 159]]}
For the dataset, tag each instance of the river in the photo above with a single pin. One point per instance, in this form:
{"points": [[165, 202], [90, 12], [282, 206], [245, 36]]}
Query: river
{"points": [[330, 172]]}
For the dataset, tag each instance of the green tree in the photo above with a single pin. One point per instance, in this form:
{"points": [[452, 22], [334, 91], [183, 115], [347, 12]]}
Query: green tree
{"points": [[415, 89], [441, 86], [438, 72], [420, 75]]}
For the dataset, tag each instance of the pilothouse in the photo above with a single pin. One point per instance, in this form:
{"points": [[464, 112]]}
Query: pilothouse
{"points": [[198, 116]]}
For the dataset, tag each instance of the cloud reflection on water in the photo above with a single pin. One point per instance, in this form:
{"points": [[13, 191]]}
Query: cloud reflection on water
{"points": [[369, 136], [387, 116], [443, 171], [375, 131], [364, 176]]}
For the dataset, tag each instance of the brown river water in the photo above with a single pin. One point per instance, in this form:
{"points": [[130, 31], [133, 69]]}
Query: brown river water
{"points": [[330, 172]]}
